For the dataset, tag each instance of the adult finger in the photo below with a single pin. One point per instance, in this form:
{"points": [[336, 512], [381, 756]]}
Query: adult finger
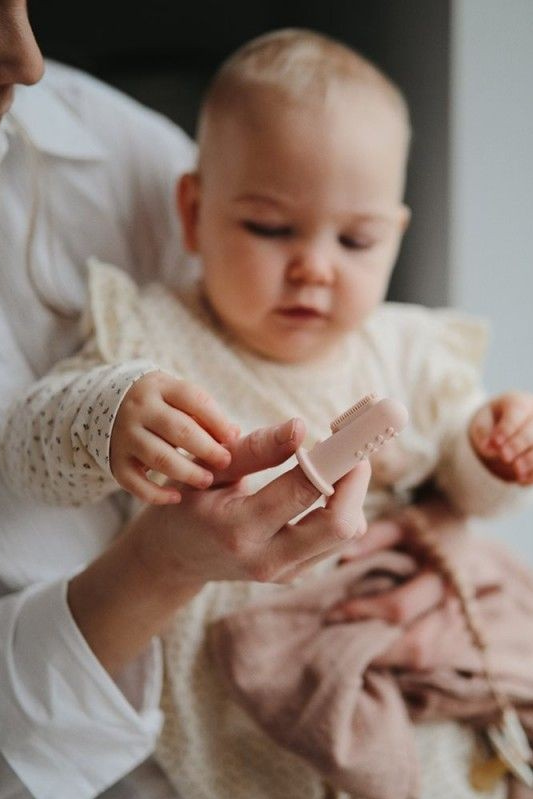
{"points": [[323, 531], [399, 606], [292, 493], [261, 449], [288, 575]]}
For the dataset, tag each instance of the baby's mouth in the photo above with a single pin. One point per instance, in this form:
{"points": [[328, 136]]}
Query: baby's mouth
{"points": [[302, 313]]}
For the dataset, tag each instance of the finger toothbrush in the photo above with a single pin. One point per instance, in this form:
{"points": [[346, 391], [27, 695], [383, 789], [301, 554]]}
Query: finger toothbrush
{"points": [[356, 434]]}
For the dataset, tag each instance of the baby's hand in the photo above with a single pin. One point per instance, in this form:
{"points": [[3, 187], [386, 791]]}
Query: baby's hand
{"points": [[158, 414], [501, 433]]}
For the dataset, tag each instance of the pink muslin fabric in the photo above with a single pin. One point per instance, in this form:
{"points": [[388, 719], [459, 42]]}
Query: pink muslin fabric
{"points": [[345, 696]]}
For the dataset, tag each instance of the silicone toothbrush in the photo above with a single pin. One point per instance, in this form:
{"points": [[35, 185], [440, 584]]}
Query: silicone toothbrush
{"points": [[356, 434]]}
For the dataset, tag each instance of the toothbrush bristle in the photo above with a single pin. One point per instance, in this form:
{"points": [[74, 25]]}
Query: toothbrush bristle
{"points": [[347, 416]]}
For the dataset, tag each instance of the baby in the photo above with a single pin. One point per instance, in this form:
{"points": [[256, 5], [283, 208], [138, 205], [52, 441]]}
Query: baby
{"points": [[296, 214]]}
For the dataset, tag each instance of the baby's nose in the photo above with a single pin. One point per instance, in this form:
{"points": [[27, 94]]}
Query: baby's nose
{"points": [[312, 264]]}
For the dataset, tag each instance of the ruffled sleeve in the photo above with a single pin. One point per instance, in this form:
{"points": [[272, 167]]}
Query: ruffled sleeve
{"points": [[447, 393], [450, 352], [114, 315]]}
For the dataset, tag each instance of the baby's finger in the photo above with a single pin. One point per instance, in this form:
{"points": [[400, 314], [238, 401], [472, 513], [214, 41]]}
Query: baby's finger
{"points": [[520, 441], [523, 467], [481, 430], [160, 456], [197, 403], [135, 481], [511, 412], [181, 430]]}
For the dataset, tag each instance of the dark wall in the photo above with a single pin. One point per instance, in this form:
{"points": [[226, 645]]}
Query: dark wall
{"points": [[162, 49], [163, 52]]}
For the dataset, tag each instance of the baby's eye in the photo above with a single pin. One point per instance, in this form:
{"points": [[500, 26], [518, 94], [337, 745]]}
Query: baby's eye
{"points": [[262, 229], [354, 242]]}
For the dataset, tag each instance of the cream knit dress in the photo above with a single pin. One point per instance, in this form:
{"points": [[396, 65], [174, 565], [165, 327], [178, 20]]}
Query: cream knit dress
{"points": [[55, 445]]}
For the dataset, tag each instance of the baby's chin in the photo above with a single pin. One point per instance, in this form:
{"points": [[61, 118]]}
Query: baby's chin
{"points": [[294, 350]]}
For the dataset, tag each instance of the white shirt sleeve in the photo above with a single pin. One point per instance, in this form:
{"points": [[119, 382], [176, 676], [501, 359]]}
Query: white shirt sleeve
{"points": [[67, 729]]}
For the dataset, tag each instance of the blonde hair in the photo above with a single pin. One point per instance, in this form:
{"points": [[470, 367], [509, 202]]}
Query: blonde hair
{"points": [[301, 65]]}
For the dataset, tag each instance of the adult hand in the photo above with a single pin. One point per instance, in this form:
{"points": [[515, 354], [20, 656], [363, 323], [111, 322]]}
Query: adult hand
{"points": [[225, 533], [418, 595], [167, 553]]}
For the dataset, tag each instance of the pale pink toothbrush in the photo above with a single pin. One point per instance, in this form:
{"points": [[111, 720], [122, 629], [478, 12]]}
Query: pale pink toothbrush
{"points": [[356, 434]]}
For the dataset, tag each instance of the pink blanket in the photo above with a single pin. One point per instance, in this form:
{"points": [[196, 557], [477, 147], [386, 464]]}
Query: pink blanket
{"points": [[344, 696]]}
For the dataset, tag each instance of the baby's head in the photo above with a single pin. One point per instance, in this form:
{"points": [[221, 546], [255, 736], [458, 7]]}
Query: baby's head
{"points": [[296, 207]]}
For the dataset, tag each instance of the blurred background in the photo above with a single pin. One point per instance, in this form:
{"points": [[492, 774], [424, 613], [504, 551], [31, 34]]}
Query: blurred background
{"points": [[466, 67]]}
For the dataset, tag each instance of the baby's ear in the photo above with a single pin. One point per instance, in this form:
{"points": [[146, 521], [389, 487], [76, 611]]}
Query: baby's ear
{"points": [[188, 202]]}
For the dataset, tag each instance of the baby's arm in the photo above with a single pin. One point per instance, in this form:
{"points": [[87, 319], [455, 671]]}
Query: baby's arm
{"points": [[446, 351], [476, 474], [59, 440]]}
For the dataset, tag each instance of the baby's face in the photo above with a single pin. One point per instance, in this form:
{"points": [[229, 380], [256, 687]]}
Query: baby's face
{"points": [[297, 217]]}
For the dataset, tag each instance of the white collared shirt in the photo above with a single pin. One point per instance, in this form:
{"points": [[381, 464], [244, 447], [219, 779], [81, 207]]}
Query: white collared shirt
{"points": [[83, 171]]}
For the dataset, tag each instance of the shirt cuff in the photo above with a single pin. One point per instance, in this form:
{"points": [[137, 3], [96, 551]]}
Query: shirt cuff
{"points": [[67, 729], [473, 489], [98, 411]]}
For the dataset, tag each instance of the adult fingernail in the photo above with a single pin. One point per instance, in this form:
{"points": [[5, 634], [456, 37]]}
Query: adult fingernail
{"points": [[224, 459], [206, 481], [284, 434]]}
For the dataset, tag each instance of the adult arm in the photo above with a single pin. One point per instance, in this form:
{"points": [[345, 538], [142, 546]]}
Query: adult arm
{"points": [[66, 727]]}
